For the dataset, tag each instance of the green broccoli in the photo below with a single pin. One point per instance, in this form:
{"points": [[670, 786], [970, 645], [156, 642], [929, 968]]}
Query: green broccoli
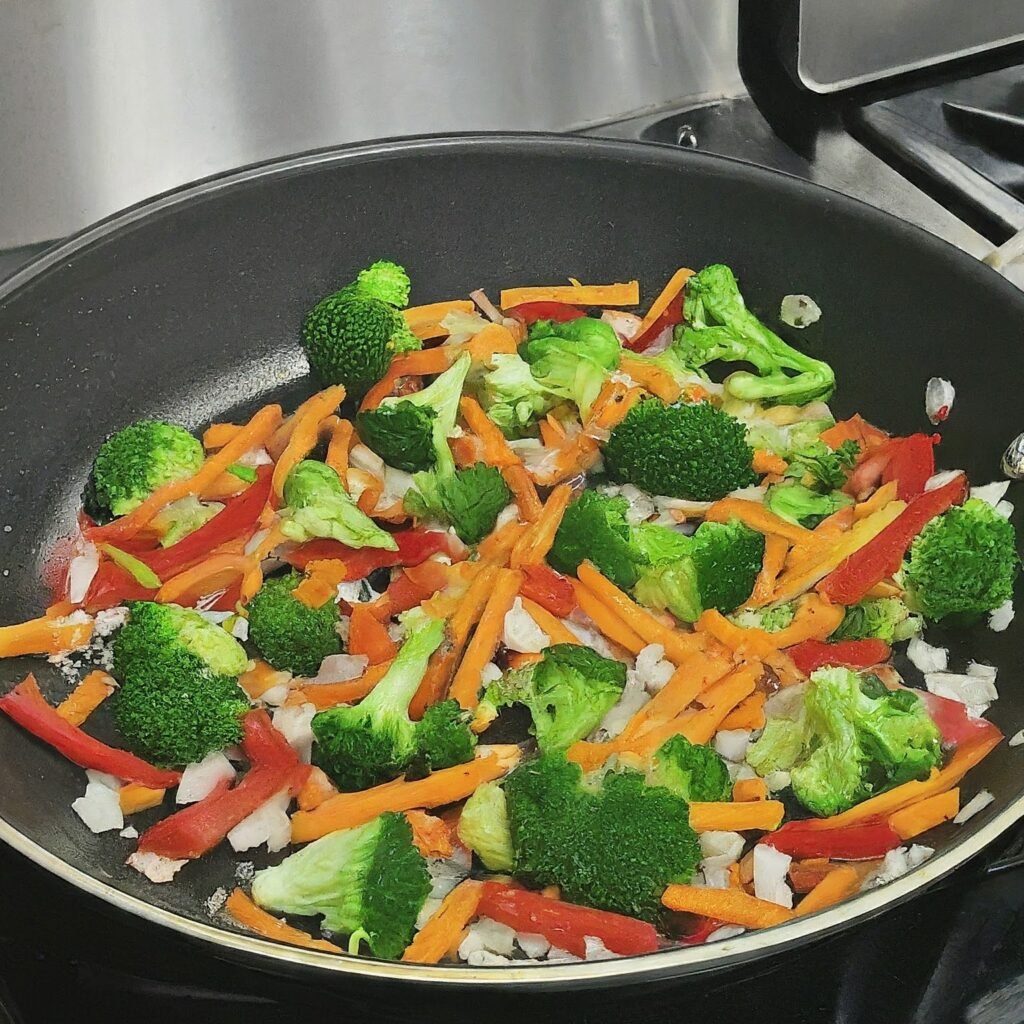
{"points": [[882, 618], [720, 327], [179, 697], [376, 740], [512, 396], [131, 464], [962, 564], [848, 739], [483, 827], [798, 504], [607, 840], [695, 452], [572, 359], [568, 693], [715, 568], [470, 499], [771, 620], [817, 466], [443, 737], [690, 770], [289, 634], [384, 281], [369, 883], [783, 440], [595, 527], [317, 505], [177, 520]]}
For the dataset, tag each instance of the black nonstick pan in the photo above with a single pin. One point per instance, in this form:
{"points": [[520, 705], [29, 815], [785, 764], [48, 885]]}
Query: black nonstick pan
{"points": [[188, 307]]}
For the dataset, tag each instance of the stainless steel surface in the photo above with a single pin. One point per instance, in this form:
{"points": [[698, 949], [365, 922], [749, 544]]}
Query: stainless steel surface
{"points": [[844, 42], [106, 102]]}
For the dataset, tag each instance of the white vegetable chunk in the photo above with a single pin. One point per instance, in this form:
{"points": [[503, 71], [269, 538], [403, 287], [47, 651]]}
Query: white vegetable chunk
{"points": [[770, 869], [200, 779]]}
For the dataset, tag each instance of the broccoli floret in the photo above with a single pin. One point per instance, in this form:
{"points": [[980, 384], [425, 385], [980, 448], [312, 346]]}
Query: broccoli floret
{"points": [[608, 841], [443, 737], [568, 693], [179, 697], [817, 466], [715, 568], [369, 883], [317, 505], [771, 620], [595, 527], [513, 397], [483, 827], [784, 441], [690, 770], [695, 452], [289, 634], [376, 740], [131, 464], [383, 280], [799, 504], [720, 327], [470, 499], [848, 739], [963, 563], [882, 618], [177, 520], [573, 359]]}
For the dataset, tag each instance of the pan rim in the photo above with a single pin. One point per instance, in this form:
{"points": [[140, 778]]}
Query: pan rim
{"points": [[665, 963]]}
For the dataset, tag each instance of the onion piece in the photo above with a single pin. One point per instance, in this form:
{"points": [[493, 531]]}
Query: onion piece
{"points": [[938, 399], [81, 570], [973, 806], [339, 668], [268, 824], [155, 867], [200, 779], [770, 870]]}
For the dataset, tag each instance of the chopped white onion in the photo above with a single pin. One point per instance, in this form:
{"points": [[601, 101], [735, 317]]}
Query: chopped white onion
{"points": [[155, 867], [633, 698], [533, 946], [129, 832], [770, 869], [427, 911], [199, 780], [1001, 618], [487, 935], [509, 514], [938, 399], [295, 724], [1004, 509], [799, 311], [490, 673], [992, 493], [977, 692], [898, 862], [727, 931], [462, 326], [339, 668], [255, 541], [240, 628], [973, 806], [595, 949], [255, 457], [268, 824], [99, 808], [941, 479], [719, 850], [732, 744], [623, 324], [397, 483], [652, 670], [926, 658], [777, 780], [641, 504], [1016, 739], [275, 696], [103, 779], [521, 632], [360, 457], [82, 569]]}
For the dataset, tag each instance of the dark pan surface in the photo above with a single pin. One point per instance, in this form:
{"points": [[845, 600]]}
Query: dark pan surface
{"points": [[188, 308]]}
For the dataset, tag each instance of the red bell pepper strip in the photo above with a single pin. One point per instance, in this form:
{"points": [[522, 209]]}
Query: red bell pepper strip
{"points": [[27, 706], [882, 555], [911, 463], [531, 312], [112, 586], [813, 654], [802, 839], [414, 546], [706, 927], [953, 721], [195, 830], [673, 315], [551, 590], [565, 925]]}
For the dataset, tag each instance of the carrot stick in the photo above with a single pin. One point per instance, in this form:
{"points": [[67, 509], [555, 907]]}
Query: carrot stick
{"points": [[337, 448], [763, 815], [304, 436], [248, 915], [651, 378], [320, 583], [425, 363], [748, 715], [881, 498], [747, 790], [348, 810], [205, 577], [430, 835], [551, 433], [43, 636], [253, 435], [728, 693], [134, 798], [368, 636], [438, 935], [260, 678], [523, 490], [784, 668], [217, 435], [543, 534], [856, 428], [606, 620], [496, 449], [557, 632], [917, 818], [814, 620], [329, 695], [678, 646], [757, 517], [425, 321], [775, 551], [839, 883], [766, 462], [673, 287], [473, 603], [493, 340], [380, 390], [467, 450], [227, 485], [86, 697], [316, 789], [465, 686], [497, 548], [733, 906], [627, 294]]}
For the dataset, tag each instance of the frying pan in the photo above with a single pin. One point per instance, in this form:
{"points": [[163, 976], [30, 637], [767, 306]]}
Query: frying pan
{"points": [[187, 307]]}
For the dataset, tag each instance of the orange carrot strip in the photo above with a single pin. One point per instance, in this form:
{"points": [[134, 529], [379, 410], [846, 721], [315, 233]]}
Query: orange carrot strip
{"points": [[520, 659], [626, 294], [467, 450], [678, 646], [337, 448], [465, 686], [747, 790], [320, 583], [498, 547], [839, 883], [425, 363], [856, 428], [431, 835], [304, 436], [551, 433], [651, 378], [439, 934], [217, 435], [729, 692], [260, 678], [134, 798], [368, 636], [524, 491], [557, 632], [762, 815], [316, 789], [86, 697], [253, 435], [544, 530], [732, 906], [925, 814], [606, 620], [206, 577], [348, 810], [493, 340], [757, 517], [775, 550], [673, 287], [43, 636], [247, 914], [881, 498], [748, 715], [784, 668], [496, 449], [329, 695], [425, 321], [768, 462], [227, 485], [814, 620]]}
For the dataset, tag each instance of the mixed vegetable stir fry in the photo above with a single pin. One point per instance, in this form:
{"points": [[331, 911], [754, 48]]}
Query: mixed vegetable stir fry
{"points": [[524, 639]]}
